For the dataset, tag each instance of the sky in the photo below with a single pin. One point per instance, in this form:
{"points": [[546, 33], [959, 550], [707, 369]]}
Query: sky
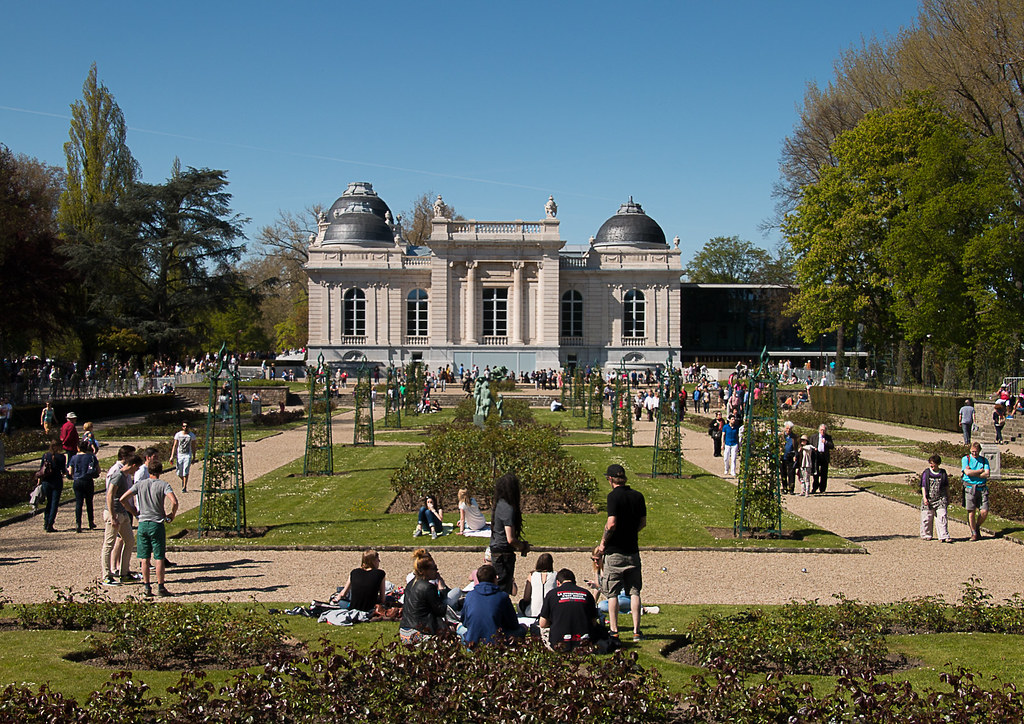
{"points": [[682, 105]]}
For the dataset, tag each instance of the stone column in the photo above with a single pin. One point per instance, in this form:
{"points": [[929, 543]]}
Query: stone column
{"points": [[517, 302], [469, 332]]}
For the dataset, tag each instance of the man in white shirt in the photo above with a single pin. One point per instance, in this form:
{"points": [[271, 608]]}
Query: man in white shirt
{"points": [[182, 450]]}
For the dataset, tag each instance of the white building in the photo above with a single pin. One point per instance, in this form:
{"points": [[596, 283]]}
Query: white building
{"points": [[490, 292]]}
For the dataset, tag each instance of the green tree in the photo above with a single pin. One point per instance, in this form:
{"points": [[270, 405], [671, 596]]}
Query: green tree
{"points": [[33, 298], [880, 240], [727, 260], [164, 259], [100, 168]]}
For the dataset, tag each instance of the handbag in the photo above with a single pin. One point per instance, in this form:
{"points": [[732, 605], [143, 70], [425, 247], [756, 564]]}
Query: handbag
{"points": [[46, 469], [36, 496]]}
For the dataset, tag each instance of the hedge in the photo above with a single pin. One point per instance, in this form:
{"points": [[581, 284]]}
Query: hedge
{"points": [[935, 411], [27, 416]]}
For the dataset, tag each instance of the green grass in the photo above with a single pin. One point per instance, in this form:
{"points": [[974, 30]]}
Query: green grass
{"points": [[911, 495], [869, 468], [41, 656], [348, 509]]}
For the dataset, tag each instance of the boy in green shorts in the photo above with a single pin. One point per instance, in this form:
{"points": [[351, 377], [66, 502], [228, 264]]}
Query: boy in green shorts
{"points": [[149, 496]]}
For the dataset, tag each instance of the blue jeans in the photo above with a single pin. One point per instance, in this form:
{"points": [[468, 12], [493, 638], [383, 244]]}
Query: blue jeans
{"points": [[428, 520], [52, 492], [966, 427], [624, 603]]}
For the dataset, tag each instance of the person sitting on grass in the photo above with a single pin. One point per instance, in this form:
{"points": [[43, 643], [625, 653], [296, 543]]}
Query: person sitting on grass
{"points": [[430, 517], [488, 610], [149, 496], [538, 585], [569, 612], [424, 607], [365, 586], [471, 520]]}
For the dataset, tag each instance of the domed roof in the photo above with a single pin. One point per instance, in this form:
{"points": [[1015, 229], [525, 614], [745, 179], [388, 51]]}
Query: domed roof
{"points": [[357, 223], [630, 225], [359, 191]]}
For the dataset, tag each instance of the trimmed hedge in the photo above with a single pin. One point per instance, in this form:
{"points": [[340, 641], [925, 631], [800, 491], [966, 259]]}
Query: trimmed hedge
{"points": [[935, 411], [27, 416], [15, 486]]}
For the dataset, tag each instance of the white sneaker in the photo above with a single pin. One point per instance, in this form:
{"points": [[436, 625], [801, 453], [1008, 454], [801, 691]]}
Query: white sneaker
{"points": [[417, 533], [650, 609]]}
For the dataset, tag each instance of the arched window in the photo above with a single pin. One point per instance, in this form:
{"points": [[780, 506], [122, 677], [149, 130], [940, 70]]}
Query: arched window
{"points": [[633, 312], [353, 313], [572, 314], [416, 313]]}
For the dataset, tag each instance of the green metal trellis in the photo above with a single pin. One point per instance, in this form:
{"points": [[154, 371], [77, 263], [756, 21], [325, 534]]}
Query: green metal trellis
{"points": [[319, 458], [758, 492], [622, 409], [595, 400], [222, 498], [668, 454], [363, 393], [392, 401], [579, 394]]}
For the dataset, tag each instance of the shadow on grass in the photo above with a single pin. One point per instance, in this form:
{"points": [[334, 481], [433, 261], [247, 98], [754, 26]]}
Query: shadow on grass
{"points": [[997, 534]]}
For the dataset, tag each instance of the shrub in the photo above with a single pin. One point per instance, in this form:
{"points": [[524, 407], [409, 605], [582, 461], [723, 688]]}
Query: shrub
{"points": [[463, 456], [845, 457], [936, 411], [26, 441], [518, 411], [1005, 501], [811, 419], [175, 417], [16, 486], [274, 419]]}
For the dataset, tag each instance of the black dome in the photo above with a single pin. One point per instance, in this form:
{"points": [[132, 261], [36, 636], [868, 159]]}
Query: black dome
{"points": [[357, 223], [630, 225], [358, 191]]}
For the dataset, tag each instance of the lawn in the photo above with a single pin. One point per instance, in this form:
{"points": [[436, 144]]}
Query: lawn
{"points": [[349, 508]]}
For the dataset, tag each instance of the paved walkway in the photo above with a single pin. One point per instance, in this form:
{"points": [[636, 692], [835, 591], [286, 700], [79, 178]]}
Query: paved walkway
{"points": [[897, 564]]}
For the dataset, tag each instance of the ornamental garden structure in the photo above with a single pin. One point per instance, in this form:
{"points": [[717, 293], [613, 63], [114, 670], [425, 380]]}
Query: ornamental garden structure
{"points": [[489, 293]]}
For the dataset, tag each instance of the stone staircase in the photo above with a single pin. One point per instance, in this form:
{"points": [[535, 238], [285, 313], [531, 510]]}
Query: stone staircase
{"points": [[1013, 431]]}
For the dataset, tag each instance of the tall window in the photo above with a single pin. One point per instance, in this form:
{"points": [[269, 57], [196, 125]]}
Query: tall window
{"points": [[353, 313], [633, 312], [416, 313], [495, 312], [572, 314]]}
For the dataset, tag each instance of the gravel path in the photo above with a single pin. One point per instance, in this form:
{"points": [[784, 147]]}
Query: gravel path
{"points": [[897, 564]]}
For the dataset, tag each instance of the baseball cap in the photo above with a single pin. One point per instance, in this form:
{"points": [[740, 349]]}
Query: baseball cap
{"points": [[615, 471]]}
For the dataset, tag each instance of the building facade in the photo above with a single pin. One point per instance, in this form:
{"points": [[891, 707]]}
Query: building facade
{"points": [[497, 293]]}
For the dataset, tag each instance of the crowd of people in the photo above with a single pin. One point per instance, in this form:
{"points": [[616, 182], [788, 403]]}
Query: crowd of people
{"points": [[550, 604]]}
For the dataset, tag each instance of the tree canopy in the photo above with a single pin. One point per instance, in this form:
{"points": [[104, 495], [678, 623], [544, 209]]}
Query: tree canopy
{"points": [[164, 259], [732, 260]]}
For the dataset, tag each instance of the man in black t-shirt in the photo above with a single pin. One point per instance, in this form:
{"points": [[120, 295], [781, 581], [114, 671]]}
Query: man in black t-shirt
{"points": [[570, 612], [627, 516]]}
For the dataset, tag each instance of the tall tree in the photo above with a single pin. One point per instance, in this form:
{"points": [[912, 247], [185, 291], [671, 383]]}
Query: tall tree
{"points": [[32, 300], [164, 258], [100, 168], [727, 260]]}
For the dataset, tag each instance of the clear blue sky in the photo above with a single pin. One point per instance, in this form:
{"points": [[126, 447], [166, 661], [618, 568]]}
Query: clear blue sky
{"points": [[683, 105]]}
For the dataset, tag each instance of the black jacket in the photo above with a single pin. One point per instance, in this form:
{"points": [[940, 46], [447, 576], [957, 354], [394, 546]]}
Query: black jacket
{"points": [[424, 608], [822, 456]]}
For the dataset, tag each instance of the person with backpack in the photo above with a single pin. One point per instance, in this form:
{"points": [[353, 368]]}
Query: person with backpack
{"points": [[51, 476], [84, 469]]}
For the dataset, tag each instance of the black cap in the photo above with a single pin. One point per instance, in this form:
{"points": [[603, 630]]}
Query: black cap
{"points": [[616, 471]]}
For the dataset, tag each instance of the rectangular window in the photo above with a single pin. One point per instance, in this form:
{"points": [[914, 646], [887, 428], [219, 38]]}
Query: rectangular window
{"points": [[495, 312]]}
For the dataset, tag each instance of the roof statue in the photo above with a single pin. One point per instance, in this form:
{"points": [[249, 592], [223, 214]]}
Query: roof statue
{"points": [[551, 208], [439, 208]]}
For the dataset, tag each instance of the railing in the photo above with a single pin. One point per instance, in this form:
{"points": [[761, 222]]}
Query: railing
{"points": [[410, 261], [634, 341], [572, 262], [495, 341], [571, 341], [415, 341], [499, 228], [353, 339]]}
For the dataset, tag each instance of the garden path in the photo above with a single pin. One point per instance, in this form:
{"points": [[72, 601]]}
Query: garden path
{"points": [[897, 564]]}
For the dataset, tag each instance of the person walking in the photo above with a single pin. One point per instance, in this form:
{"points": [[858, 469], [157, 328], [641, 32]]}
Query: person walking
{"points": [[52, 472], [731, 443], [183, 447], [966, 418], [934, 501], [976, 471], [69, 435], [84, 469], [715, 431], [627, 516], [823, 446]]}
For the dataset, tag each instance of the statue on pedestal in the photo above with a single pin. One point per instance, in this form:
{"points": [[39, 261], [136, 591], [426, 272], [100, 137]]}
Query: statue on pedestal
{"points": [[439, 208], [551, 208]]}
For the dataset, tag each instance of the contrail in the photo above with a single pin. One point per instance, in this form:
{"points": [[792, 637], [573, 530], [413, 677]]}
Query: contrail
{"points": [[333, 159]]}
